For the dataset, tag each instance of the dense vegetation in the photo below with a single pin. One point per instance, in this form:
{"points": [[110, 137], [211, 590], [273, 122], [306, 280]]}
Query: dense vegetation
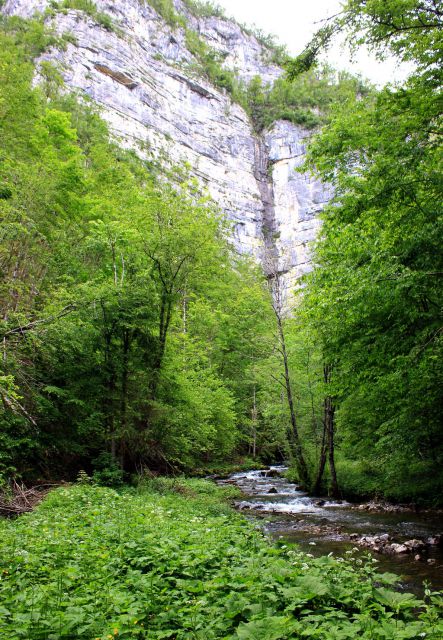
{"points": [[131, 333], [172, 561], [127, 321], [375, 298]]}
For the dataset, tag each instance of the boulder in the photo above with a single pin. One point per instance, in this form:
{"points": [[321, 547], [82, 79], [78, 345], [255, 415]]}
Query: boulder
{"points": [[414, 545], [435, 541], [398, 548]]}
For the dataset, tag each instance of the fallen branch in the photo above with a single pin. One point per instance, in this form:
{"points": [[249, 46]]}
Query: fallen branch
{"points": [[32, 325], [17, 499]]}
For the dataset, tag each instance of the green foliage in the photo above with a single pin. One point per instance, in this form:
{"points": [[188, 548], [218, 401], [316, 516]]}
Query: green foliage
{"points": [[167, 11], [275, 53], [52, 79], [210, 66], [375, 299], [226, 468], [308, 58], [205, 9], [125, 313], [306, 101], [171, 560], [90, 8], [30, 36], [69, 38], [131, 331], [107, 472], [208, 59], [409, 29], [359, 478]]}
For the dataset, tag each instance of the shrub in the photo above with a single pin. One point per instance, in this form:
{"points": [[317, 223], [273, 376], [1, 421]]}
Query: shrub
{"points": [[205, 9], [88, 7], [166, 9], [107, 473]]}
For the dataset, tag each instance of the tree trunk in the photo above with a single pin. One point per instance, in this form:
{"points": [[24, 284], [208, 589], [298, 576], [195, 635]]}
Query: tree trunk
{"points": [[294, 438], [109, 399], [124, 393], [330, 427], [165, 319], [110, 381], [254, 427], [322, 463]]}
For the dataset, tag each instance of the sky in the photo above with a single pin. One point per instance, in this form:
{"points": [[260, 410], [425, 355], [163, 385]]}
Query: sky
{"points": [[295, 21]]}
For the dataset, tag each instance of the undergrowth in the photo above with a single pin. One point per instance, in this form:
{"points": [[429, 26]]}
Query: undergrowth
{"points": [[412, 482], [171, 560], [223, 468]]}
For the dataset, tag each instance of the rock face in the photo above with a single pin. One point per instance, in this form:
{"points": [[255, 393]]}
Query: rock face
{"points": [[143, 78], [297, 198]]}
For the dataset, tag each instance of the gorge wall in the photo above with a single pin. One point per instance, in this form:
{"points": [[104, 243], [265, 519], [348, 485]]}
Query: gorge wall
{"points": [[143, 77]]}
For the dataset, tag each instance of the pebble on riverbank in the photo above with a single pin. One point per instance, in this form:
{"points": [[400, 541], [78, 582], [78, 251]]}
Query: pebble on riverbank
{"points": [[387, 507], [384, 544]]}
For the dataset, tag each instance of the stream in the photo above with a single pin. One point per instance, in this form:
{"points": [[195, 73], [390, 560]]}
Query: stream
{"points": [[321, 526]]}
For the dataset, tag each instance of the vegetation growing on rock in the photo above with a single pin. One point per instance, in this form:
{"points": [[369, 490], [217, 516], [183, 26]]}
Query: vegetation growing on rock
{"points": [[135, 340]]}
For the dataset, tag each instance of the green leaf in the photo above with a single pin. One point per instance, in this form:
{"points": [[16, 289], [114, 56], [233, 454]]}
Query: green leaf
{"points": [[272, 628]]}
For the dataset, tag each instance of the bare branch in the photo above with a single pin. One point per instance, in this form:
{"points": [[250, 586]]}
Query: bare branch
{"points": [[32, 325]]}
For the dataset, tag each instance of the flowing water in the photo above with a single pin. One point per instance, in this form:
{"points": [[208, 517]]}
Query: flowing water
{"points": [[321, 526]]}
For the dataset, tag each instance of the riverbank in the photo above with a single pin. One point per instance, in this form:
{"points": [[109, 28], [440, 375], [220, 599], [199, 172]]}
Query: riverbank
{"points": [[173, 561], [402, 540]]}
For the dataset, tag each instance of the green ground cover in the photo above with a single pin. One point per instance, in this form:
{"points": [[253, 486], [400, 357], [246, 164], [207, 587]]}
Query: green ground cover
{"points": [[171, 560]]}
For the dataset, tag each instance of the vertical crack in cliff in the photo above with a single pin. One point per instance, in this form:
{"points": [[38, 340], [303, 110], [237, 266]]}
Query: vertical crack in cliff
{"points": [[265, 186]]}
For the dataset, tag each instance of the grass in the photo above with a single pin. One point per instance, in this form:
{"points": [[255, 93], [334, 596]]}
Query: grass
{"points": [[172, 560]]}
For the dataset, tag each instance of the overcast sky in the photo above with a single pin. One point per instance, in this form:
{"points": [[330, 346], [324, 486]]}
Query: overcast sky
{"points": [[294, 22]]}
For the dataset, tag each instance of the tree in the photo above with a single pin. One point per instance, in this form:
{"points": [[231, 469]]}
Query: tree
{"points": [[409, 29], [375, 295], [328, 439], [279, 302], [129, 325]]}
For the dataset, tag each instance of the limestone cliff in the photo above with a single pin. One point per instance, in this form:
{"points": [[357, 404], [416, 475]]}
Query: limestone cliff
{"points": [[142, 76]]}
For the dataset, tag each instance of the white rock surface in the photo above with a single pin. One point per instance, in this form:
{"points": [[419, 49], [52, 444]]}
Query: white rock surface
{"points": [[141, 77], [298, 199]]}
